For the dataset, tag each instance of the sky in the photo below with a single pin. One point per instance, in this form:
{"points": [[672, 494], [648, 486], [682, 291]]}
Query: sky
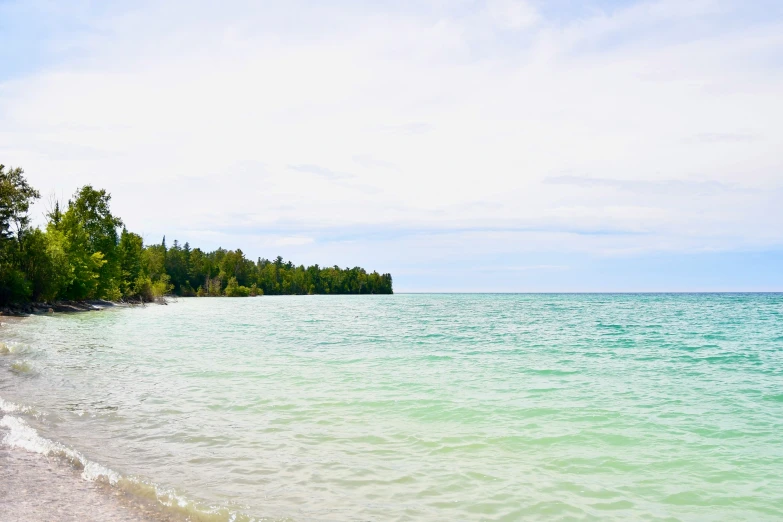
{"points": [[463, 145]]}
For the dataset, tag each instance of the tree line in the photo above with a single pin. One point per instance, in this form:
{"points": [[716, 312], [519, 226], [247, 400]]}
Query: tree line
{"points": [[85, 252]]}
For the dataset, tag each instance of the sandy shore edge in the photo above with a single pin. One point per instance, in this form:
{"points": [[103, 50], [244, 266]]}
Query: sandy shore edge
{"points": [[94, 305], [42, 488], [36, 487]]}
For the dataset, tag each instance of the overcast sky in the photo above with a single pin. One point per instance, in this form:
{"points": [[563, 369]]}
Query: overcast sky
{"points": [[490, 145]]}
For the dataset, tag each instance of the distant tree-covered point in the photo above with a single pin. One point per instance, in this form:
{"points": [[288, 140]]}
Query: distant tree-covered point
{"points": [[85, 252]]}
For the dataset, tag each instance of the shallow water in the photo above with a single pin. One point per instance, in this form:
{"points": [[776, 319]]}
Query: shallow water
{"points": [[415, 407]]}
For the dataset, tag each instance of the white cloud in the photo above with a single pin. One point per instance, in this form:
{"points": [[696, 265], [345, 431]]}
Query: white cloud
{"points": [[516, 14], [522, 268], [297, 241], [251, 128]]}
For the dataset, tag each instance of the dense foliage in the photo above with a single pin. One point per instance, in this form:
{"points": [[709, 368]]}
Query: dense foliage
{"points": [[86, 253]]}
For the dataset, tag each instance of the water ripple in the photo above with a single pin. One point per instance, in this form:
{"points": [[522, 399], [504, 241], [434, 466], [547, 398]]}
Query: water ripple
{"points": [[421, 407]]}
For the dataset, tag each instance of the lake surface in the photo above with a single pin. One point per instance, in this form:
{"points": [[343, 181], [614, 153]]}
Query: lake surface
{"points": [[415, 407]]}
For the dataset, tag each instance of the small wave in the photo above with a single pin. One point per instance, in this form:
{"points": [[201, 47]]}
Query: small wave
{"points": [[554, 372], [10, 407], [21, 435], [23, 367], [13, 349], [610, 326], [436, 357]]}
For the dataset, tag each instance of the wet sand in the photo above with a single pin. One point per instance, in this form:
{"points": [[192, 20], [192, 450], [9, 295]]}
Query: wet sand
{"points": [[38, 488]]}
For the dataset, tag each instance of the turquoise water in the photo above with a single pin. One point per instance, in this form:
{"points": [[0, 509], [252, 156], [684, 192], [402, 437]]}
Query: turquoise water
{"points": [[415, 407]]}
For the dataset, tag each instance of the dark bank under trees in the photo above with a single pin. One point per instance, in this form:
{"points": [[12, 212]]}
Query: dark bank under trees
{"points": [[85, 252]]}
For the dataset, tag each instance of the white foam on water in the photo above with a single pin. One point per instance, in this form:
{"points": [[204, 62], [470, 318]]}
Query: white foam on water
{"points": [[21, 435], [13, 349], [10, 407], [10, 349], [23, 367]]}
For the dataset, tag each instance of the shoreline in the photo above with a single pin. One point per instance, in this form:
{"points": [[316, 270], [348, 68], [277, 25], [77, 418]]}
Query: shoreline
{"points": [[93, 305], [45, 480], [45, 488], [49, 487]]}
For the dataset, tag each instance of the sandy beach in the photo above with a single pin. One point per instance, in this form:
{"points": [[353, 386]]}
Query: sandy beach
{"points": [[39, 488]]}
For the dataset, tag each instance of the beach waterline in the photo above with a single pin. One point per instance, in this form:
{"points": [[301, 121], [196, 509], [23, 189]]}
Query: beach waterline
{"points": [[416, 407]]}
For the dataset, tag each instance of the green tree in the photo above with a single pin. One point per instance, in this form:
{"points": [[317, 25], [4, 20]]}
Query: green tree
{"points": [[45, 264], [131, 248], [83, 255], [16, 196], [154, 259], [234, 289], [90, 226], [84, 264]]}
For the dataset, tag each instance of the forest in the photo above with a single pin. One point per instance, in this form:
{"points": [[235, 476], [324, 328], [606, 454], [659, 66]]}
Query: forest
{"points": [[85, 252]]}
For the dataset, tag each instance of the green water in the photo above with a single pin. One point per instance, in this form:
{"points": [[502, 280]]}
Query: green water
{"points": [[415, 407]]}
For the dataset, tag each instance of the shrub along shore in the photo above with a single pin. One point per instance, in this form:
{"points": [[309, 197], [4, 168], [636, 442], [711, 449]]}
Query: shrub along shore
{"points": [[85, 253]]}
